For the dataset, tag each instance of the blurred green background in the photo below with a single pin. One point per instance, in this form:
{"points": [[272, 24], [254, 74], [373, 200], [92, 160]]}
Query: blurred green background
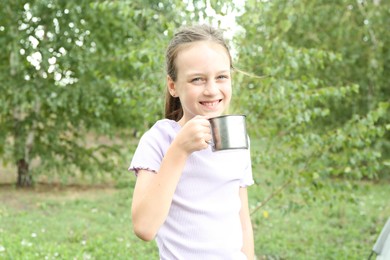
{"points": [[80, 81]]}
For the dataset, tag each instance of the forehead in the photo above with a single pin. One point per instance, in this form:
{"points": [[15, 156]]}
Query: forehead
{"points": [[202, 53]]}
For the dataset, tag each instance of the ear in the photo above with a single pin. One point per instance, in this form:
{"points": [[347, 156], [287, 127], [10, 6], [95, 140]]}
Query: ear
{"points": [[171, 86]]}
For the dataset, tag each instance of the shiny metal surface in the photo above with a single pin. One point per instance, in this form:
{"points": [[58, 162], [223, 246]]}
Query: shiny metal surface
{"points": [[229, 132]]}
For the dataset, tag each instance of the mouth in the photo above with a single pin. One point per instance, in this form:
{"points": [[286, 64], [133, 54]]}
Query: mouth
{"points": [[210, 104]]}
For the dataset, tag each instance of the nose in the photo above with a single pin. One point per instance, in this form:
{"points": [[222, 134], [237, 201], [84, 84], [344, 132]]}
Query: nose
{"points": [[211, 88]]}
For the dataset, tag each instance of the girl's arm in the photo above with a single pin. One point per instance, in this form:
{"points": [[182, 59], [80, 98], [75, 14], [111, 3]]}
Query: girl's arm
{"points": [[153, 192], [247, 231]]}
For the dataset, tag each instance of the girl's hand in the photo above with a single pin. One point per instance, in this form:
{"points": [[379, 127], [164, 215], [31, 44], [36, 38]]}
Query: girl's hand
{"points": [[195, 135]]}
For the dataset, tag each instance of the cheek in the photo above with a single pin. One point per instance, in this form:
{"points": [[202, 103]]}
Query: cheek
{"points": [[188, 94], [228, 91]]}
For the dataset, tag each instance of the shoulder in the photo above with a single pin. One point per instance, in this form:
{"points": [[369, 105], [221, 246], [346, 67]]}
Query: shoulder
{"points": [[153, 145], [164, 127], [162, 132]]}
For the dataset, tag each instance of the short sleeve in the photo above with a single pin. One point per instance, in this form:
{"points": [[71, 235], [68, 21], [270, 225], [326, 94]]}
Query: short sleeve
{"points": [[247, 178], [152, 147]]}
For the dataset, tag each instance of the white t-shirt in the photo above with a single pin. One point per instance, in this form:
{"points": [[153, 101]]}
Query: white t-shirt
{"points": [[203, 221]]}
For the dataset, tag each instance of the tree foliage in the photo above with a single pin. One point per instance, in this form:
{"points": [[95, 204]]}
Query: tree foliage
{"points": [[322, 103], [69, 68]]}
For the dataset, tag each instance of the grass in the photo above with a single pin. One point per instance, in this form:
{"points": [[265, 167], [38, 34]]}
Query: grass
{"points": [[345, 227], [81, 222], [84, 223], [72, 223]]}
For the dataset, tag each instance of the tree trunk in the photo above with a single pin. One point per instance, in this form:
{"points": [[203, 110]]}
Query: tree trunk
{"points": [[24, 177], [24, 146]]}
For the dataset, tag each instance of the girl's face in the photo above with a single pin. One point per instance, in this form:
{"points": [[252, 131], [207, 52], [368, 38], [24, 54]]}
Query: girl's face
{"points": [[203, 81]]}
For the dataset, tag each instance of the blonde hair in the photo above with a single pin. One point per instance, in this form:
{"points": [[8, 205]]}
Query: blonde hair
{"points": [[186, 35]]}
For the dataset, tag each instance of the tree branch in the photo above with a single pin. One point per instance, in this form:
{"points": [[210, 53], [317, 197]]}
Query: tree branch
{"points": [[273, 194]]}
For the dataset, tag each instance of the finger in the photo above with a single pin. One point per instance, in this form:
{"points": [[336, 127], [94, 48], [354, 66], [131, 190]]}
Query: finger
{"points": [[199, 117], [204, 144], [199, 120], [202, 124], [203, 118], [208, 138], [205, 122]]}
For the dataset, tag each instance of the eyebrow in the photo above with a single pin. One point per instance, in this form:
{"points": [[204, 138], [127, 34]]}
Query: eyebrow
{"points": [[201, 74]]}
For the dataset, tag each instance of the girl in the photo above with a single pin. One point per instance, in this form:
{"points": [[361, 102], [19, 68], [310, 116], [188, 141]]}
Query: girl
{"points": [[193, 200]]}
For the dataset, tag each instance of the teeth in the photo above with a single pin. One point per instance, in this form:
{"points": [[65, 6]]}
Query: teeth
{"points": [[210, 104]]}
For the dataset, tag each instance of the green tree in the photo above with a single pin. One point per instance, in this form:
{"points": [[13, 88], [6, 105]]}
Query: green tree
{"points": [[323, 103], [69, 68], [50, 94]]}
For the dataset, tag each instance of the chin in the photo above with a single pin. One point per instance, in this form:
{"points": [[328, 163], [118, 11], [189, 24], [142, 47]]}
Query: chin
{"points": [[214, 114]]}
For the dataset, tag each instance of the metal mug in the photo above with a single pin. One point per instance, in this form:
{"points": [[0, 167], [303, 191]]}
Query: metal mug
{"points": [[228, 132]]}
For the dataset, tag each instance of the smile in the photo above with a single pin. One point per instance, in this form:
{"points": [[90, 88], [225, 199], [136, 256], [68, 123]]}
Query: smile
{"points": [[211, 103]]}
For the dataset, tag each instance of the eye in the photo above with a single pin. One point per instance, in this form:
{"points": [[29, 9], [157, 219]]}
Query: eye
{"points": [[197, 80], [223, 77]]}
